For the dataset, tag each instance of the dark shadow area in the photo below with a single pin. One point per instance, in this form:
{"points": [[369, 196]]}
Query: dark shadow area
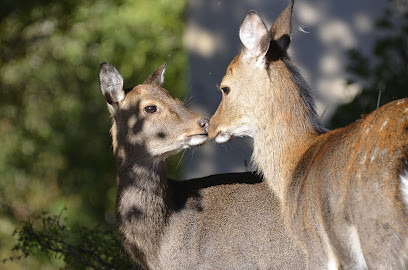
{"points": [[192, 189]]}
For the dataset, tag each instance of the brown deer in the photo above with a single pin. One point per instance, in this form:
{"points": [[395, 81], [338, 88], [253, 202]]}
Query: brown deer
{"points": [[344, 193], [228, 221]]}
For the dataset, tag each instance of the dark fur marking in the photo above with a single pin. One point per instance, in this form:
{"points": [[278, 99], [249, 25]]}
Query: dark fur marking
{"points": [[133, 213]]}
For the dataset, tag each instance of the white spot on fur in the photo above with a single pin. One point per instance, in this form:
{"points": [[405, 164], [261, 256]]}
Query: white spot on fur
{"points": [[132, 121], [355, 249], [112, 108], [399, 102], [222, 137], [332, 263], [384, 124], [363, 159], [131, 136], [404, 186], [373, 155]]}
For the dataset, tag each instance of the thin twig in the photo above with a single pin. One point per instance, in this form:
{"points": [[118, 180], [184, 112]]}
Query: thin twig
{"points": [[379, 98], [323, 113]]}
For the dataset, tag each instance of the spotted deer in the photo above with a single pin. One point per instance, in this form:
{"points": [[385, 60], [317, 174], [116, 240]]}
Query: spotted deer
{"points": [[344, 193], [227, 221]]}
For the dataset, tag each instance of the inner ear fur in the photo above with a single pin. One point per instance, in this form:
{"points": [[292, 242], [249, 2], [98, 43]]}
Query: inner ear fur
{"points": [[254, 35], [111, 83]]}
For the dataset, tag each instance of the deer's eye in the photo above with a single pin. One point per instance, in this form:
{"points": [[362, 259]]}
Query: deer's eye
{"points": [[150, 109], [225, 89]]}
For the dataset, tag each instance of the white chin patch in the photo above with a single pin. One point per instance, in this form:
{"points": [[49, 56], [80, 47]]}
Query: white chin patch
{"points": [[222, 137], [197, 140]]}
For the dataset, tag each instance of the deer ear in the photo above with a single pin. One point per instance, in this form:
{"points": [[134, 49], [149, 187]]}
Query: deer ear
{"points": [[281, 30], [111, 83], [157, 77], [254, 35]]}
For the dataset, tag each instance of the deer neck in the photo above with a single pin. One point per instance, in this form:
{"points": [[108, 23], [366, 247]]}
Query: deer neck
{"points": [[142, 203], [287, 127]]}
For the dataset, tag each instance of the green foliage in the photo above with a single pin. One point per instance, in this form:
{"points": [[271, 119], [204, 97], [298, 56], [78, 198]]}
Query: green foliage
{"points": [[79, 248], [55, 147], [385, 70]]}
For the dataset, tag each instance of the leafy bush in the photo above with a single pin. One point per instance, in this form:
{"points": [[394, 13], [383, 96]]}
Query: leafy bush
{"points": [[79, 248], [384, 71], [54, 124]]}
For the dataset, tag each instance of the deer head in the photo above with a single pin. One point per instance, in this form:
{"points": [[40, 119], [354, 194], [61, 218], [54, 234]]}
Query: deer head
{"points": [[149, 116], [257, 69]]}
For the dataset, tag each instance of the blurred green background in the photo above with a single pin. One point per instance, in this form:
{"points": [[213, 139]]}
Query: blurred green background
{"points": [[55, 146]]}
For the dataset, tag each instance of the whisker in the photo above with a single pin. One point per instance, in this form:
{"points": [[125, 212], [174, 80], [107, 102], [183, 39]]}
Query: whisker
{"points": [[224, 145], [193, 150], [188, 97], [179, 162], [244, 147]]}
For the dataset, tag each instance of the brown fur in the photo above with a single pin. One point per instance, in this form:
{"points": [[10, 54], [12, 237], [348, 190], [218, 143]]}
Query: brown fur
{"points": [[228, 221], [340, 190]]}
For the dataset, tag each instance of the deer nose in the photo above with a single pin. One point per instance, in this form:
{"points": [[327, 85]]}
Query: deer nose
{"points": [[204, 123]]}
